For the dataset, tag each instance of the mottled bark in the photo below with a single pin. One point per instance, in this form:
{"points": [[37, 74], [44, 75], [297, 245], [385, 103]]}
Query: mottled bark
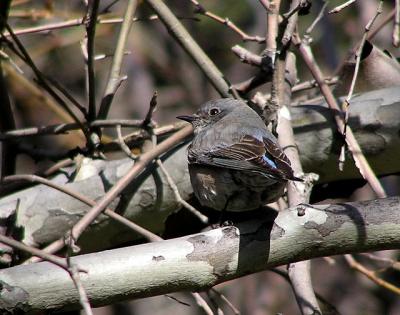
{"points": [[45, 214], [200, 261]]}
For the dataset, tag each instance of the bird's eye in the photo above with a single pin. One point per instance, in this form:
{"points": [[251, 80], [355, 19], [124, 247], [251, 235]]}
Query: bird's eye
{"points": [[213, 111]]}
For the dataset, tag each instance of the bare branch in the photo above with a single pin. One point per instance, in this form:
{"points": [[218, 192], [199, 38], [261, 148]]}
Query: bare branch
{"points": [[341, 7], [199, 261], [114, 77]]}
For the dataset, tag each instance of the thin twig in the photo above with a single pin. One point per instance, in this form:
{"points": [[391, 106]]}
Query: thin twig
{"points": [[177, 195], [202, 303], [79, 22], [184, 39], [83, 298], [226, 300], [74, 274], [291, 18], [265, 4], [90, 23], [396, 26], [136, 169], [370, 274], [72, 269], [34, 251], [64, 128], [346, 102], [382, 24], [147, 121], [37, 179], [341, 7], [123, 145], [246, 56], [312, 84], [316, 20], [272, 29], [359, 158], [42, 80], [300, 272], [225, 21], [114, 78]]}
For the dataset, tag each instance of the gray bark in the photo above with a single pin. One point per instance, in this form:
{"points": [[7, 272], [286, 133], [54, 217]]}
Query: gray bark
{"points": [[200, 261], [45, 214]]}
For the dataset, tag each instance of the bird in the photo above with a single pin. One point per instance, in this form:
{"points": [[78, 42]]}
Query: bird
{"points": [[235, 163]]}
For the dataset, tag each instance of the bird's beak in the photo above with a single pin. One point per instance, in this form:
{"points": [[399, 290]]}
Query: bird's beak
{"points": [[188, 118]]}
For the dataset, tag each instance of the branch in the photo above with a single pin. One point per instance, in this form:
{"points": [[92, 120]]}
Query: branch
{"points": [[200, 261], [114, 78], [147, 201], [184, 39], [91, 21]]}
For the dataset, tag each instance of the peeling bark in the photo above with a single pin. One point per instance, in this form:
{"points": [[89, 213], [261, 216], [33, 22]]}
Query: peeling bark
{"points": [[200, 261], [45, 214]]}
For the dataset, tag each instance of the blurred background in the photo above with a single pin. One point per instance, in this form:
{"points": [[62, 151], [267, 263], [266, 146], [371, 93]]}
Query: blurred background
{"points": [[155, 62]]}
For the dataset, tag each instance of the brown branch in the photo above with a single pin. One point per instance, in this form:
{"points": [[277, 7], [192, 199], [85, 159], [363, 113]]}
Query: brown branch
{"points": [[61, 262], [109, 212], [354, 147], [370, 274], [346, 103], [225, 21], [90, 23], [396, 26], [42, 79], [341, 7], [178, 197], [184, 39], [114, 77], [272, 29], [138, 167]]}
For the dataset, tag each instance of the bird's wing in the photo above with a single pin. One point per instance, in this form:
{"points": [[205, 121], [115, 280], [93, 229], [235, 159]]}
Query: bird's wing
{"points": [[249, 154]]}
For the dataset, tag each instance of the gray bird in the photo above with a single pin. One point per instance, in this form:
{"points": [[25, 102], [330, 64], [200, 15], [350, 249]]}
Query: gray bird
{"points": [[235, 163]]}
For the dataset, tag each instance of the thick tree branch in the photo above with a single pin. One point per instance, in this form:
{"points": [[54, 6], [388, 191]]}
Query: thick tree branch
{"points": [[46, 215], [200, 261]]}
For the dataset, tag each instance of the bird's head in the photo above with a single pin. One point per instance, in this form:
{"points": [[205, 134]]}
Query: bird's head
{"points": [[211, 112]]}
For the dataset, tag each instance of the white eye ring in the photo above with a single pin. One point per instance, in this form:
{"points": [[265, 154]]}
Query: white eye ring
{"points": [[213, 111]]}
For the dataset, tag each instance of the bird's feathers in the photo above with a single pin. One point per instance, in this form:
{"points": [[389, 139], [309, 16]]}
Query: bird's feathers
{"points": [[248, 154]]}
